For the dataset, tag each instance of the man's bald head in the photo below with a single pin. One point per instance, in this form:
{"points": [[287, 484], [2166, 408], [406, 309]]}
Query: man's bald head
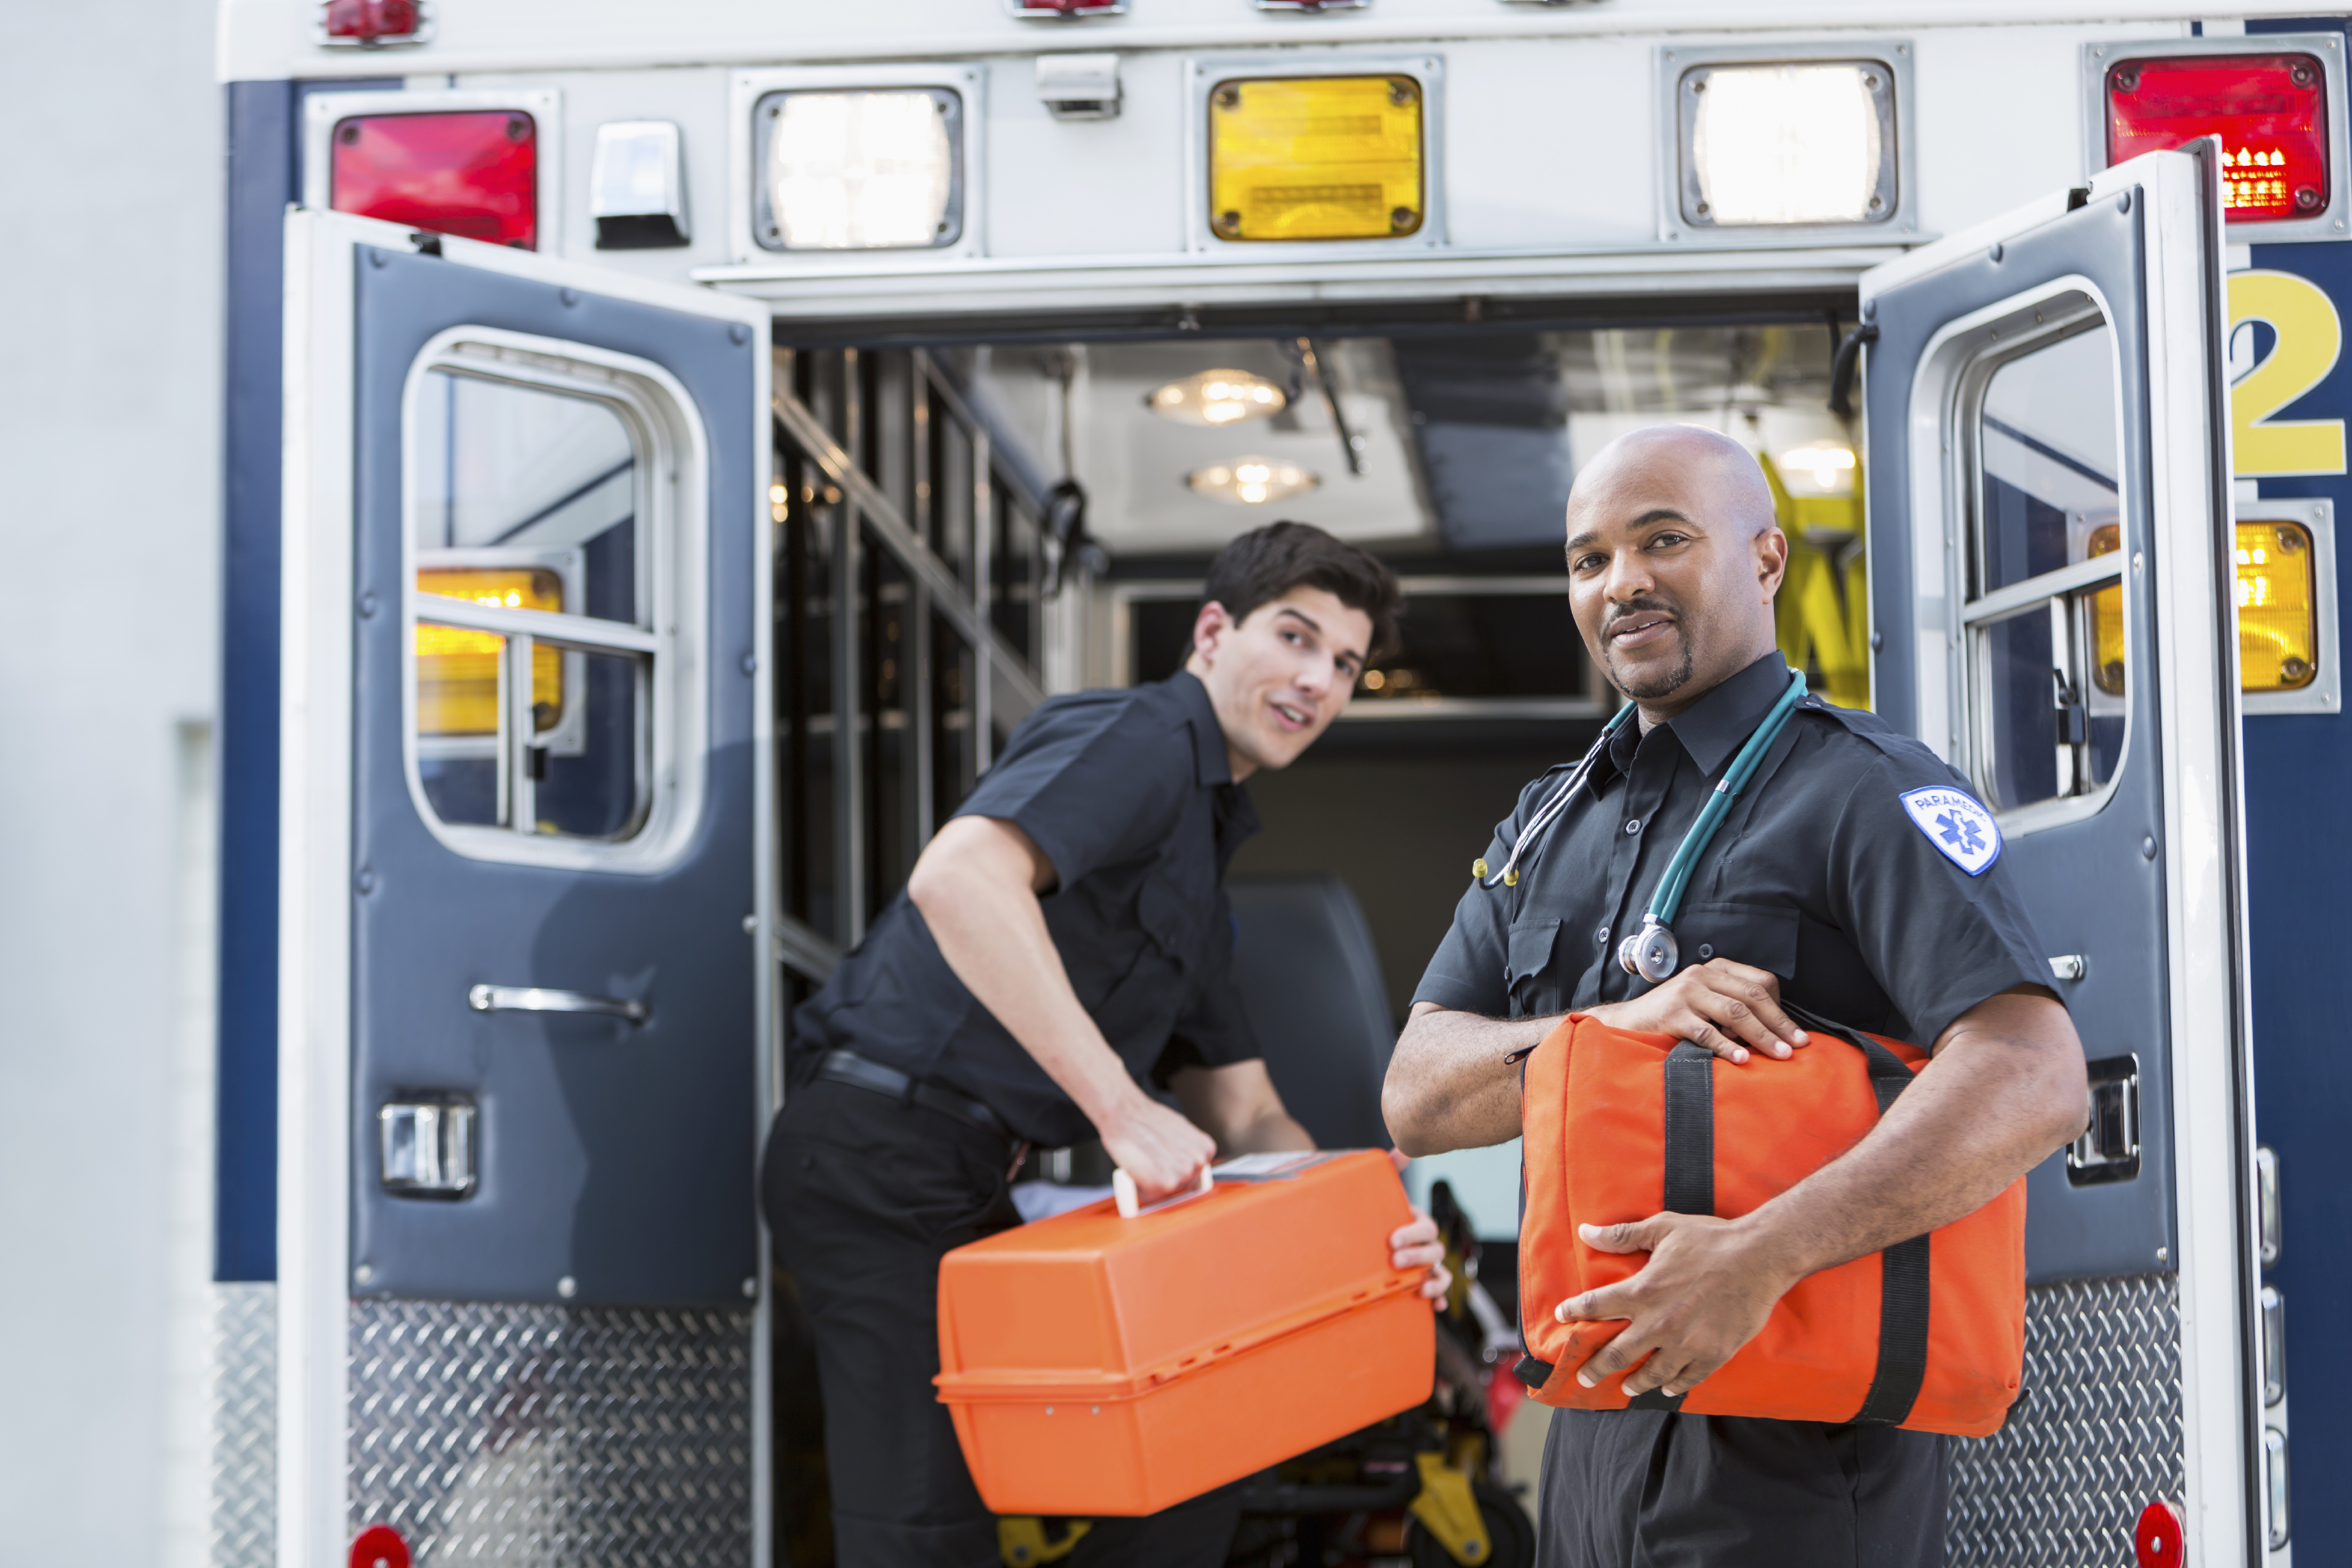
{"points": [[1674, 557], [1726, 468]]}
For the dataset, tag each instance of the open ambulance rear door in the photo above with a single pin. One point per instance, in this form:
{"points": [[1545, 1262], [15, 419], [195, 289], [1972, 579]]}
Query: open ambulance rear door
{"points": [[2052, 609], [523, 994]]}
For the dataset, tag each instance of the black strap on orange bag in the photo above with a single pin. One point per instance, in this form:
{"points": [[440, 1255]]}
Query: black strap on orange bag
{"points": [[1689, 1188], [1689, 1158], [1903, 1289]]}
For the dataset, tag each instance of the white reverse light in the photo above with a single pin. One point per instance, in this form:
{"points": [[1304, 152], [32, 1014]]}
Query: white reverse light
{"points": [[1787, 144], [862, 171], [1217, 397], [1252, 481]]}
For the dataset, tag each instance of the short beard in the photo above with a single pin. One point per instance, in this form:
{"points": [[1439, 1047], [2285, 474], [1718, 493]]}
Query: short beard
{"points": [[1665, 684]]}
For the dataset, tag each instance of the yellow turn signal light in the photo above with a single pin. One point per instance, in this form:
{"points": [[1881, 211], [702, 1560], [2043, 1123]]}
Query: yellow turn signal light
{"points": [[457, 667], [1315, 157], [2278, 624]]}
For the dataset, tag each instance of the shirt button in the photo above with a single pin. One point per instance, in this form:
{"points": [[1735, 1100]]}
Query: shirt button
{"points": [[1705, 949], [1601, 936], [1635, 826]]}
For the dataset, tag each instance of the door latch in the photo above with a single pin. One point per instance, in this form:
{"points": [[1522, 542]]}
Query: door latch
{"points": [[429, 1147], [2108, 1150], [2073, 723]]}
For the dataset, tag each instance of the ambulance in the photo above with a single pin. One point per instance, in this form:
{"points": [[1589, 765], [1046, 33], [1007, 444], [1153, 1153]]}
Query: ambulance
{"points": [[669, 447]]}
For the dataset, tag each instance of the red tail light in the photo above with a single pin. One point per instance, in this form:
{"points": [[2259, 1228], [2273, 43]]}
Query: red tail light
{"points": [[372, 21], [2270, 110], [473, 174], [1067, 10]]}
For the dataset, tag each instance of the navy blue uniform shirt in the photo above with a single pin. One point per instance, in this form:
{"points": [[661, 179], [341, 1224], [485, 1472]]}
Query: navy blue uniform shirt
{"points": [[1129, 796], [1880, 915]]}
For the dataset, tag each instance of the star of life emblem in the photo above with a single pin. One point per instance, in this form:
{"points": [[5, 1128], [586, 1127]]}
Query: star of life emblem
{"points": [[1955, 824]]}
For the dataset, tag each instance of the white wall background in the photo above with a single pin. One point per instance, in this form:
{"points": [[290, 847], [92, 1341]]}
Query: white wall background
{"points": [[109, 391]]}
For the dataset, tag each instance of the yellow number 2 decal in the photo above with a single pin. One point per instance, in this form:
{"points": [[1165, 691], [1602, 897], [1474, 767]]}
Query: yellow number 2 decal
{"points": [[2309, 336]]}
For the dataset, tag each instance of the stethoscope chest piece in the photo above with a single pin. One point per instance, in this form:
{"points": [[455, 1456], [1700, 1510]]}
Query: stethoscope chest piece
{"points": [[1651, 952]]}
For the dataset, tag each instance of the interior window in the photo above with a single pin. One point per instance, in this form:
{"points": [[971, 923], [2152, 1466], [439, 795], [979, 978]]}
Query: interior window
{"points": [[532, 617], [2045, 615]]}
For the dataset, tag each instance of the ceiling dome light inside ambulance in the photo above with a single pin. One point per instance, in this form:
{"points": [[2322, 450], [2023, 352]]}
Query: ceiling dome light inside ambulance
{"points": [[471, 172], [2270, 110], [1817, 468], [1787, 144], [861, 170], [1217, 397], [1252, 481]]}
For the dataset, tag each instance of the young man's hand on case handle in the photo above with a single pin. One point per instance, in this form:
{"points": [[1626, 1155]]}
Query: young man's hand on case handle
{"points": [[1416, 1245]]}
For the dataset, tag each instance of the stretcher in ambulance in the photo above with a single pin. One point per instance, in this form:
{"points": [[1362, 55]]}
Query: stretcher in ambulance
{"points": [[671, 450]]}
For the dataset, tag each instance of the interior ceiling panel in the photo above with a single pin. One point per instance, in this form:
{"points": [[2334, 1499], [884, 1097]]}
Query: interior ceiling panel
{"points": [[1133, 462], [1469, 442]]}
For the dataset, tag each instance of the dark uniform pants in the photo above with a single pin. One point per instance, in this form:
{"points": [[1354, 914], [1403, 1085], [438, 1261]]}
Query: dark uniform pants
{"points": [[865, 1194], [1645, 1489]]}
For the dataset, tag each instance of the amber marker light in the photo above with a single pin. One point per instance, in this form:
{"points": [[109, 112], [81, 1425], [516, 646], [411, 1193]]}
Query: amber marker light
{"points": [[1315, 157], [457, 667], [2278, 623]]}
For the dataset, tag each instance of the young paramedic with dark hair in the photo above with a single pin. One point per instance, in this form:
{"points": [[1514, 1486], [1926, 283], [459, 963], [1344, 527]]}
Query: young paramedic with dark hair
{"points": [[1065, 938], [1822, 887]]}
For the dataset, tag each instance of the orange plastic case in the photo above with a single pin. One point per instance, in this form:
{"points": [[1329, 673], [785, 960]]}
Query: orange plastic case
{"points": [[1100, 1365]]}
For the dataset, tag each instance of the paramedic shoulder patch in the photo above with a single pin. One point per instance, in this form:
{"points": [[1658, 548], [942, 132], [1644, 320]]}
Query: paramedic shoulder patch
{"points": [[1955, 824]]}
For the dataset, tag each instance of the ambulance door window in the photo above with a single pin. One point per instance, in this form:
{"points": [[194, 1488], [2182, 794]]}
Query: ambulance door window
{"points": [[533, 639], [2045, 635]]}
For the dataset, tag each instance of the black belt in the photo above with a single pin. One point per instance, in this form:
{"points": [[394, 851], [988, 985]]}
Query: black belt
{"points": [[849, 1067]]}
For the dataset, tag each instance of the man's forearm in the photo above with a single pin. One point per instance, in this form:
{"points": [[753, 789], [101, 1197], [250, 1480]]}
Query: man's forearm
{"points": [[1449, 1085], [2005, 1088], [992, 931], [1237, 1105], [1275, 1132]]}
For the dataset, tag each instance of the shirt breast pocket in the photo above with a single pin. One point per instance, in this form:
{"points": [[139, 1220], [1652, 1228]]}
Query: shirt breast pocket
{"points": [[1762, 936], [1529, 970], [1170, 915]]}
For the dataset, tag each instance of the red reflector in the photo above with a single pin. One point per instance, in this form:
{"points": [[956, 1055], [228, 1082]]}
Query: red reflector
{"points": [[379, 1546], [2156, 1542], [473, 174], [1069, 7], [2270, 110], [368, 20]]}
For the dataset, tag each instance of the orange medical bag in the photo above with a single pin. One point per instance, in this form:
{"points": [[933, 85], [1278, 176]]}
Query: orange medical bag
{"points": [[1928, 1334], [1101, 1365]]}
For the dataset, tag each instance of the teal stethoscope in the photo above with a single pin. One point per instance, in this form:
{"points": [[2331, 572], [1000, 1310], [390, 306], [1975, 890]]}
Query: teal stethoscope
{"points": [[1651, 952]]}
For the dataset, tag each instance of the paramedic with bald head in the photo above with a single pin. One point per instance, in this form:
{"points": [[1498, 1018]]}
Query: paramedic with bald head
{"points": [[1821, 889]]}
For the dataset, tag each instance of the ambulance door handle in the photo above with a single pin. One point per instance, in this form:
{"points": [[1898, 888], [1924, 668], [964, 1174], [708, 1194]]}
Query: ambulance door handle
{"points": [[2271, 1224], [539, 999]]}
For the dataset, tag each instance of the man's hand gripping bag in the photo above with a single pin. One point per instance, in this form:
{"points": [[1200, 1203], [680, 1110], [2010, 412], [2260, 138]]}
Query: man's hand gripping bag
{"points": [[1928, 1334], [1100, 1365]]}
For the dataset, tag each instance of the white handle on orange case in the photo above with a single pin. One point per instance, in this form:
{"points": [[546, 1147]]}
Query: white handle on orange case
{"points": [[1122, 1188]]}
